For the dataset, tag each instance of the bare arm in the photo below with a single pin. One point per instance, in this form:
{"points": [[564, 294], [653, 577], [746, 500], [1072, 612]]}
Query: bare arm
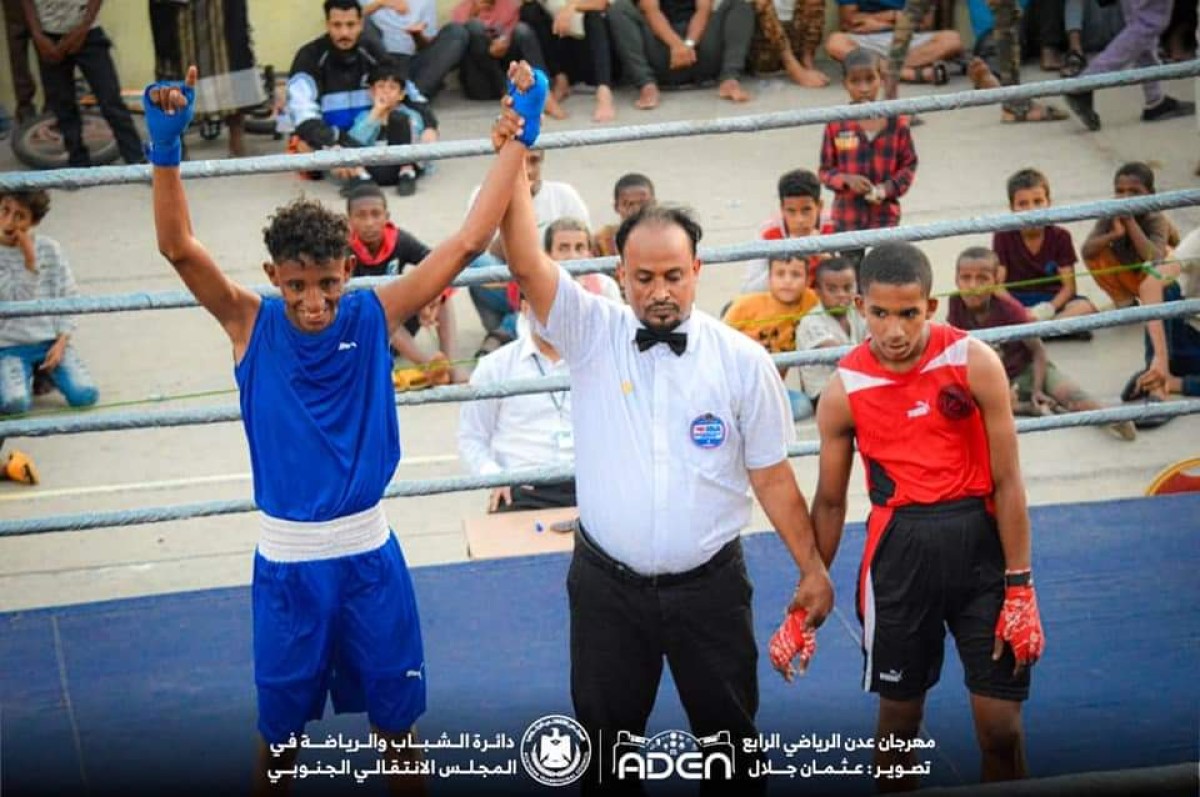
{"points": [[836, 426], [660, 26], [989, 386], [1101, 238], [1150, 291], [234, 307], [699, 21], [403, 297], [1146, 248], [1067, 292]]}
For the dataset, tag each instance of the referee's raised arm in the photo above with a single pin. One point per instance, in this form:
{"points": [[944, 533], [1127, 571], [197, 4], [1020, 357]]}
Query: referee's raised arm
{"points": [[533, 269]]}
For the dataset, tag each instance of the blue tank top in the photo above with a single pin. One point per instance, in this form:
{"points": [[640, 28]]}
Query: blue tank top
{"points": [[320, 411]]}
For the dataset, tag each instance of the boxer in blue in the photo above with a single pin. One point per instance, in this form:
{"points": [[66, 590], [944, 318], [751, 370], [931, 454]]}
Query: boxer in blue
{"points": [[334, 609]]}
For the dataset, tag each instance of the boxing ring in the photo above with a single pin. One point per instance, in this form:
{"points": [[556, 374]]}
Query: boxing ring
{"points": [[155, 695]]}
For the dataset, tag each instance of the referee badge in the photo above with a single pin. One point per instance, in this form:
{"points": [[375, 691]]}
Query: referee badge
{"points": [[708, 431]]}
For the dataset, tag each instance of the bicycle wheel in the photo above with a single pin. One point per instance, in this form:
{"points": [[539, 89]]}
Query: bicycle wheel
{"points": [[39, 145]]}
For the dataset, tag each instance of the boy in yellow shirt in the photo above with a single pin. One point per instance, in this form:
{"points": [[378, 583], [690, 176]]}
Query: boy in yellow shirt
{"points": [[771, 317]]}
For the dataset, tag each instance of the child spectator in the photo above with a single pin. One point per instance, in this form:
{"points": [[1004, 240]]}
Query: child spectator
{"points": [[771, 317], [394, 118], [868, 163], [799, 216], [838, 324], [381, 249], [32, 267], [1038, 387], [1037, 264], [1182, 334], [630, 194], [1117, 248]]}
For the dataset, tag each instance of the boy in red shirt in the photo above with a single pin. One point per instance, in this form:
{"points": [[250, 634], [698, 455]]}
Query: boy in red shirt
{"points": [[867, 163], [928, 408]]}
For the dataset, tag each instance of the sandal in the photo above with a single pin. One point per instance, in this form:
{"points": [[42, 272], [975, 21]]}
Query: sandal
{"points": [[1131, 391], [1028, 111], [1074, 63]]}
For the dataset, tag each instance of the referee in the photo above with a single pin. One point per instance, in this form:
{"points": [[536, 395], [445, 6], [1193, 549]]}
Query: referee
{"points": [[676, 417]]}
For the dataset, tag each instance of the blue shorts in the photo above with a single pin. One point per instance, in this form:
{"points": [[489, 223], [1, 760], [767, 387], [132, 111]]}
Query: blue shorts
{"points": [[345, 627], [1034, 298]]}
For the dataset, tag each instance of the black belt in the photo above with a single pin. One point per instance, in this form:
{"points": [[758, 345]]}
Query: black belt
{"points": [[596, 555], [955, 507]]}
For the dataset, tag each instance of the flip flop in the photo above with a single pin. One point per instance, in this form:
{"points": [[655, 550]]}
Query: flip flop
{"points": [[1153, 423], [409, 379], [1131, 391], [1016, 114]]}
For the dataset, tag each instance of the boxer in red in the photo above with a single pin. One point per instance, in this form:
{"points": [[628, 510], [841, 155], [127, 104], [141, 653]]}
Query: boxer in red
{"points": [[948, 542]]}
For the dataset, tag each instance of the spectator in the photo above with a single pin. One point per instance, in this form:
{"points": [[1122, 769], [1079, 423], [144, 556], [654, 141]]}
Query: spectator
{"points": [[393, 119], [787, 37], [869, 25], [213, 35], [1182, 335], [516, 432], [771, 317], [1038, 387], [325, 89], [16, 34], [682, 41], [497, 37], [32, 267], [381, 249], [1135, 46], [575, 38], [409, 32], [569, 239], [1037, 264], [867, 163], [552, 200], [838, 324], [67, 36], [630, 194], [799, 217]]}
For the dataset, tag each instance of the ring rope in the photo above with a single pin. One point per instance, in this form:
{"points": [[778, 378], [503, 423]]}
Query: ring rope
{"points": [[105, 422], [424, 487], [374, 156], [813, 244]]}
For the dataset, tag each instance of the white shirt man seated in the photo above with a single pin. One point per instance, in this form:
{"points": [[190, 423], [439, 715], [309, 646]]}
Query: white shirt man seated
{"points": [[526, 431]]}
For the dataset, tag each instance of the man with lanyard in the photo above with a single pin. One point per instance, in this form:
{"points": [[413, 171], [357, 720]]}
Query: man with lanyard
{"points": [[676, 417], [948, 541]]}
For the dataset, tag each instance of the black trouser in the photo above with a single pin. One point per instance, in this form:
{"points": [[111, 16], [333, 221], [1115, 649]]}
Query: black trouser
{"points": [[398, 131], [623, 624], [546, 496], [484, 77], [721, 52], [587, 60], [16, 32], [96, 64]]}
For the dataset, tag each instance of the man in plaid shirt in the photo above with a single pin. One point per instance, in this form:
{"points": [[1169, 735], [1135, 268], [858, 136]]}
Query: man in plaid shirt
{"points": [[868, 163]]}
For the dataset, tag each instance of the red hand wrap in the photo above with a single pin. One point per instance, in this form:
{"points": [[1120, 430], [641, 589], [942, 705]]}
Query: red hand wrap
{"points": [[793, 639], [1020, 625]]}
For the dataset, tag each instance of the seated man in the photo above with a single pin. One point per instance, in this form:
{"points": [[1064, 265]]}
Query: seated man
{"points": [[1182, 334], [552, 200], [33, 266], [326, 90], [684, 41], [870, 24], [527, 431]]}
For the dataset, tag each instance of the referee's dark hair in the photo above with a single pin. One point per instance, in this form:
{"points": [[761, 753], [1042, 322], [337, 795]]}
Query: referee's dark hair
{"points": [[897, 263], [663, 215]]}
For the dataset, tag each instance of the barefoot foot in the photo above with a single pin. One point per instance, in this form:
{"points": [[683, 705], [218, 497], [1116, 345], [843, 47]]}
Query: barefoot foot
{"points": [[605, 110], [732, 90], [647, 98]]}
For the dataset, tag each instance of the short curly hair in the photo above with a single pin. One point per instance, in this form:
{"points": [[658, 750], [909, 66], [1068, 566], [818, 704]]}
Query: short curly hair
{"points": [[37, 202], [306, 232]]}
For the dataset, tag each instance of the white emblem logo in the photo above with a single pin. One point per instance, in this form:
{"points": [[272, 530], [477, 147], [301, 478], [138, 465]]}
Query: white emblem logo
{"points": [[556, 750]]}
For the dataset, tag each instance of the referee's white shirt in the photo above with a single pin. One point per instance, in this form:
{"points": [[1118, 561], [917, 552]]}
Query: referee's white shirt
{"points": [[650, 494]]}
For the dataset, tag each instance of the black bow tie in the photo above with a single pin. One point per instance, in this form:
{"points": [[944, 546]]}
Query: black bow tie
{"points": [[646, 338]]}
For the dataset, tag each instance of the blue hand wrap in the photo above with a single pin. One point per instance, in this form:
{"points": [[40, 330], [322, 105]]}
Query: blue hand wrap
{"points": [[166, 129], [529, 105]]}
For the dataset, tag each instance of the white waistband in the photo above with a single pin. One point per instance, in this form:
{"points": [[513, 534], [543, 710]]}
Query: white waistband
{"points": [[296, 541]]}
